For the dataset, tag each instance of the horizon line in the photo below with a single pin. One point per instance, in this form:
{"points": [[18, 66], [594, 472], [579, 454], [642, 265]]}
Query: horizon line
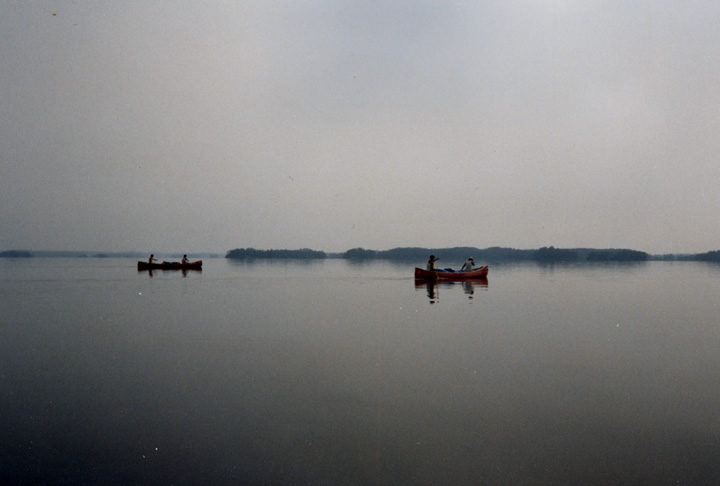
{"points": [[224, 252]]}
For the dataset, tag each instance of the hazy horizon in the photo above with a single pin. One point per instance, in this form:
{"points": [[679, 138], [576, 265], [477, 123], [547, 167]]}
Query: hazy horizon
{"points": [[336, 125], [340, 252]]}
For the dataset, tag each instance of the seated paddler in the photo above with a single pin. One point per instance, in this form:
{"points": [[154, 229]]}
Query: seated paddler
{"points": [[468, 265]]}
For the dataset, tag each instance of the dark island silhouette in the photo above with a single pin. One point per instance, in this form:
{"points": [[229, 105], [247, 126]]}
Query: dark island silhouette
{"points": [[495, 254], [16, 254]]}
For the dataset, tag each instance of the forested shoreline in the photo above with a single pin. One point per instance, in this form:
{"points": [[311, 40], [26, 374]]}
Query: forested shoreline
{"points": [[413, 254], [493, 254]]}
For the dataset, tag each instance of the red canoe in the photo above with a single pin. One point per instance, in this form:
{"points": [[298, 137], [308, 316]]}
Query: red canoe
{"points": [[422, 274], [170, 266]]}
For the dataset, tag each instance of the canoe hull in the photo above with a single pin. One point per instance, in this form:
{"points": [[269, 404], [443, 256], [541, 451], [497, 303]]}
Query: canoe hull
{"points": [[422, 274], [170, 266]]}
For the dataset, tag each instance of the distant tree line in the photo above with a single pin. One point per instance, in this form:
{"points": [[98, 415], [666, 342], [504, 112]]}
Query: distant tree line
{"points": [[251, 253], [15, 254], [445, 254], [361, 254], [456, 255], [497, 254], [711, 256], [448, 256], [552, 254], [617, 256]]}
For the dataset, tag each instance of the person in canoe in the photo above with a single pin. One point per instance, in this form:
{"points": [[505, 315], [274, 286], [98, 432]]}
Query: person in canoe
{"points": [[468, 265], [185, 259], [152, 259], [431, 263]]}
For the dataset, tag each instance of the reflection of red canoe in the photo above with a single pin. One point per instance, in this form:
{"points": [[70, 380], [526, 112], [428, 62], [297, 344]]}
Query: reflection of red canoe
{"points": [[170, 266], [448, 284], [422, 274]]}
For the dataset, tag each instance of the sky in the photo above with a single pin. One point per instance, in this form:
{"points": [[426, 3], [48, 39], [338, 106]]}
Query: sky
{"points": [[204, 126]]}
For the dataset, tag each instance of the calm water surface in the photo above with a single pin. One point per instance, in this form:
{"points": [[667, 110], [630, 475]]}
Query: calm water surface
{"points": [[334, 373]]}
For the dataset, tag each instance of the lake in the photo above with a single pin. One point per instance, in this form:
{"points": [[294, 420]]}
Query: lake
{"points": [[329, 372]]}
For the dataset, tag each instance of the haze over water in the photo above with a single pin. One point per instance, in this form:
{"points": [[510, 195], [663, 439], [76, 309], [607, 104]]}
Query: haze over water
{"points": [[333, 373]]}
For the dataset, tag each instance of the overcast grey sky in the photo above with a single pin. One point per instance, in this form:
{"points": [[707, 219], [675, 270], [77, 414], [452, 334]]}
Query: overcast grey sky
{"points": [[330, 124]]}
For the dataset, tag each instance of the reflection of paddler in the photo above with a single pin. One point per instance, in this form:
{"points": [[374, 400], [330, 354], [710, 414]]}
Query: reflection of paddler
{"points": [[469, 288], [431, 263]]}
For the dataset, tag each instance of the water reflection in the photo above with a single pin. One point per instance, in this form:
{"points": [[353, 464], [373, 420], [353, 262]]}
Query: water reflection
{"points": [[588, 375], [183, 270], [433, 287]]}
